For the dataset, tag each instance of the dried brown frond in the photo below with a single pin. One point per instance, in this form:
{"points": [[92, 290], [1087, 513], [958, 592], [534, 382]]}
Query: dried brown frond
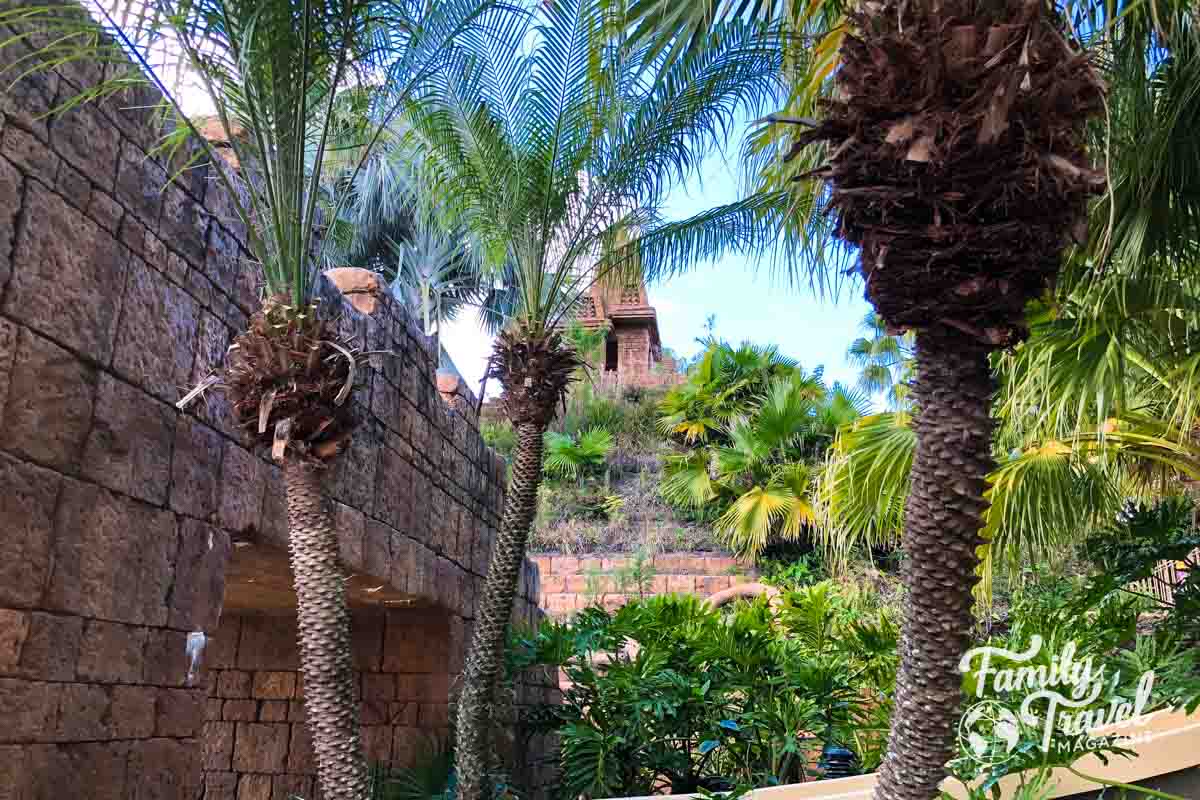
{"points": [[290, 378], [536, 369], [957, 157]]}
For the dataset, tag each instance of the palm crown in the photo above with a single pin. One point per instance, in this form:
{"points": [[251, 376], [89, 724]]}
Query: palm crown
{"points": [[557, 149]]}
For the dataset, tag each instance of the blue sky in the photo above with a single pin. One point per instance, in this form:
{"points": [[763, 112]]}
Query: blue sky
{"points": [[747, 303]]}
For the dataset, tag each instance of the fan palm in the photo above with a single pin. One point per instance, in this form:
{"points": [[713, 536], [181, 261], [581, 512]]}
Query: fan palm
{"points": [[386, 225], [884, 361], [555, 153], [763, 473], [276, 72]]}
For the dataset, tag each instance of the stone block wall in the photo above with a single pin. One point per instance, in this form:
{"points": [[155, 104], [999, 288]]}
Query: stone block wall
{"points": [[569, 583], [128, 523], [256, 746]]}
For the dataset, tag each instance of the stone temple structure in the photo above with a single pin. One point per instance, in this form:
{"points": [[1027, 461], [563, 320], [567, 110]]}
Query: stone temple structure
{"points": [[632, 355]]}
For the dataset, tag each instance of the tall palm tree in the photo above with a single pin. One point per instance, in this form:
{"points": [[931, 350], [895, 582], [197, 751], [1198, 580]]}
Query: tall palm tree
{"points": [[943, 118], [556, 154], [1150, 210], [275, 71]]}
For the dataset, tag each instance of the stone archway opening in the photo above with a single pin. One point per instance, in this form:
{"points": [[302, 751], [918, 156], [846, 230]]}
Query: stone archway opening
{"points": [[255, 741]]}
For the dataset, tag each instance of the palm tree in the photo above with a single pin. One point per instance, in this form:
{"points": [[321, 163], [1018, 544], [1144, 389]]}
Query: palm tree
{"points": [[762, 470], [555, 154], [276, 71], [923, 169], [884, 361], [385, 224]]}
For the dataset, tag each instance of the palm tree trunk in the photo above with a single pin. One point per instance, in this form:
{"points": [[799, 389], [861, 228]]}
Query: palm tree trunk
{"points": [[323, 620], [945, 508], [471, 736]]}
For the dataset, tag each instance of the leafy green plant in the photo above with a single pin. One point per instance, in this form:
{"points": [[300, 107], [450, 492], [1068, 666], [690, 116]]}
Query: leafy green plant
{"points": [[573, 457], [637, 574], [668, 693], [761, 476], [500, 436]]}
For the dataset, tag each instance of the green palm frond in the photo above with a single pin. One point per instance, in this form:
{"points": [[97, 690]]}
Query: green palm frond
{"points": [[561, 175], [865, 483], [749, 521], [686, 480]]}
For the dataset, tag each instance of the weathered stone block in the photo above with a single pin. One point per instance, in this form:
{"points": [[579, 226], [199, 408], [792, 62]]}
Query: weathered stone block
{"points": [[14, 629], [416, 642], [274, 685], [71, 277], [261, 747], [221, 651], [158, 333], [106, 212], [240, 711], [129, 446], [286, 787], [111, 652], [27, 101], [233, 683], [179, 713], [140, 182], [394, 490], [243, 483], [222, 785], [50, 400], [273, 711], [351, 525], [274, 512], [268, 643], [27, 517], [89, 769], [163, 769], [132, 711], [83, 712], [29, 154], [184, 224], [376, 549], [199, 586], [195, 468], [218, 745], [51, 647], [301, 759], [167, 662], [113, 557], [353, 479]]}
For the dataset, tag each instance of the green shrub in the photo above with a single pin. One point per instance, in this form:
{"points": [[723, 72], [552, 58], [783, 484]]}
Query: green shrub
{"points": [[500, 436], [579, 456], [744, 695]]}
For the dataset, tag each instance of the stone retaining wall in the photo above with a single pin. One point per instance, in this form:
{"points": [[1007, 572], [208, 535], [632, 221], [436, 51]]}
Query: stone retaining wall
{"points": [[569, 583], [129, 524]]}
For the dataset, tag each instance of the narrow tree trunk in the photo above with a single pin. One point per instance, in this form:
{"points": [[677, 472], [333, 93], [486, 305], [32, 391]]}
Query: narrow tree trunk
{"points": [[953, 391], [323, 620], [471, 736]]}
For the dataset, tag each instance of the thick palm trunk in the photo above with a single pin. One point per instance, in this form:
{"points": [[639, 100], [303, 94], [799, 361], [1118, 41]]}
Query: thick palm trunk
{"points": [[941, 533], [323, 619], [484, 660]]}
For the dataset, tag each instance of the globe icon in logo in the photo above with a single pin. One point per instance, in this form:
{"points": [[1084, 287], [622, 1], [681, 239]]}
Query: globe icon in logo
{"points": [[989, 733]]}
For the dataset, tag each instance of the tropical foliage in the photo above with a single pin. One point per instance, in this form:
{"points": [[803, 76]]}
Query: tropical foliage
{"points": [[574, 457], [754, 429], [668, 693]]}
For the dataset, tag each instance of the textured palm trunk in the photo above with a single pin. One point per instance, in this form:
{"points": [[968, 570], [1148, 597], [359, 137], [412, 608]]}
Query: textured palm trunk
{"points": [[323, 619], [471, 736], [953, 391]]}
